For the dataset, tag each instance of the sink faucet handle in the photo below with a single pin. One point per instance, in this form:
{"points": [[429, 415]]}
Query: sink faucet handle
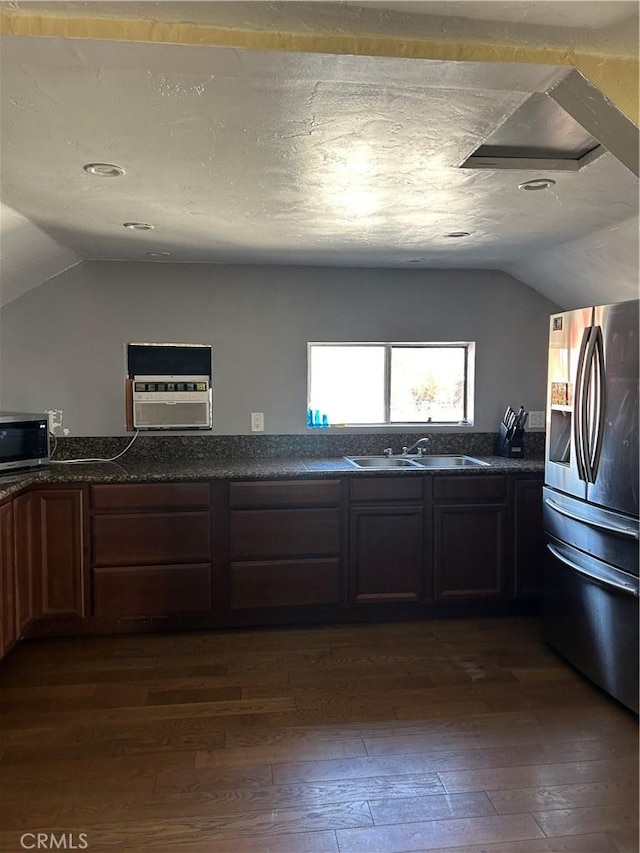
{"points": [[405, 449], [418, 444], [388, 451]]}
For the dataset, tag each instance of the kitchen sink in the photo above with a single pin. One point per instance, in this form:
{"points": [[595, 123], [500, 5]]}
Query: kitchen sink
{"points": [[382, 462], [436, 462], [450, 462]]}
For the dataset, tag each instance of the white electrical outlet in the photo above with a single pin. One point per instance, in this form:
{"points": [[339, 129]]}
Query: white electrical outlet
{"points": [[257, 421], [55, 422], [536, 420]]}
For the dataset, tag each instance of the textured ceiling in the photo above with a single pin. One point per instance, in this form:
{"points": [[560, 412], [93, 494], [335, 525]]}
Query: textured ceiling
{"points": [[241, 156]]}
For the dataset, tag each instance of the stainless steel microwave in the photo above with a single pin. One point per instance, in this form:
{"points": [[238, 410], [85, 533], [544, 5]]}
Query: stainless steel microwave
{"points": [[24, 440]]}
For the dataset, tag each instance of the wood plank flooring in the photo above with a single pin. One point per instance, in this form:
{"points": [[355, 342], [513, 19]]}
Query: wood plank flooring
{"points": [[464, 736]]}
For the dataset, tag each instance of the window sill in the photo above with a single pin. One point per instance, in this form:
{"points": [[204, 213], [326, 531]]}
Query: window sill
{"points": [[398, 427]]}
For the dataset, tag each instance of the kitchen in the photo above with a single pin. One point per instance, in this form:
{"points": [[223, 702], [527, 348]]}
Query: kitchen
{"points": [[260, 316]]}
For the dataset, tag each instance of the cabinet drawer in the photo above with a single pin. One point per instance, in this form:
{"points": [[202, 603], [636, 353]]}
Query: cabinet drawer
{"points": [[158, 538], [284, 493], [292, 583], [469, 489], [284, 533], [151, 590], [387, 489], [150, 496]]}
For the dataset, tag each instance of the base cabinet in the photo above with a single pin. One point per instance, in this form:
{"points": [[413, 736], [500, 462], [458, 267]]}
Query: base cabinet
{"points": [[81, 559], [59, 553], [469, 552], [529, 542], [470, 537], [285, 540], [8, 628], [151, 549], [386, 554], [25, 544]]}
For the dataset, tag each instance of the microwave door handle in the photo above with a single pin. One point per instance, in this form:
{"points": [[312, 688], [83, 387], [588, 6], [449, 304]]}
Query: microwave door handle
{"points": [[579, 406]]}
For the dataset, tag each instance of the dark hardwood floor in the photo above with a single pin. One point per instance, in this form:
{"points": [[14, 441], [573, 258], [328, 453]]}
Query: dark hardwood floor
{"points": [[461, 736]]}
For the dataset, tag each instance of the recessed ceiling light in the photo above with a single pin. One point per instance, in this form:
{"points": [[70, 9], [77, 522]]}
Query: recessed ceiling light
{"points": [[138, 226], [158, 254], [104, 170], [456, 234], [538, 184]]}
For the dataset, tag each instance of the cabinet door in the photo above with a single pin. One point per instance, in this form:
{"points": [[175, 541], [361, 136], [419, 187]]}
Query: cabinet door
{"points": [[23, 525], [8, 633], [529, 538], [469, 552], [60, 576], [386, 554]]}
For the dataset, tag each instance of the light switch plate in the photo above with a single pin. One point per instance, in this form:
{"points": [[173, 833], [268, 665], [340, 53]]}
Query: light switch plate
{"points": [[257, 421], [536, 420]]}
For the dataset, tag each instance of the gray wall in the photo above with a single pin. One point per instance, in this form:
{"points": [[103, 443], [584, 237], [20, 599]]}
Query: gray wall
{"points": [[63, 342], [595, 270]]}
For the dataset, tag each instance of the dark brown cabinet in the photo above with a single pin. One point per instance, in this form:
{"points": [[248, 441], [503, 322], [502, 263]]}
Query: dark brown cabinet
{"points": [[25, 543], [387, 555], [470, 537], [529, 544], [59, 582], [8, 628], [151, 549], [285, 541], [83, 559]]}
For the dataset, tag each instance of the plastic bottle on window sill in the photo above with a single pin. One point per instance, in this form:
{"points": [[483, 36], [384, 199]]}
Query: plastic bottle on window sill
{"points": [[317, 419]]}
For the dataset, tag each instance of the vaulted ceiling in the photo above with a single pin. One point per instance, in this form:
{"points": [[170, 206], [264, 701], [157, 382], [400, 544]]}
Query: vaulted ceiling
{"points": [[236, 152]]}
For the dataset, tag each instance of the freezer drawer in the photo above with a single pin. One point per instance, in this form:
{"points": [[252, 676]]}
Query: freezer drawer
{"points": [[590, 616], [605, 535]]}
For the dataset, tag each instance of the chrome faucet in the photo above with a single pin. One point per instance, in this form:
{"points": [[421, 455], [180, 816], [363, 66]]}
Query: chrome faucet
{"points": [[418, 444]]}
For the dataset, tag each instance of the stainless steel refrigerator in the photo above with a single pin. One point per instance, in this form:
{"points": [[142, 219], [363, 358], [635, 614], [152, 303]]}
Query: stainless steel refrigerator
{"points": [[590, 602]]}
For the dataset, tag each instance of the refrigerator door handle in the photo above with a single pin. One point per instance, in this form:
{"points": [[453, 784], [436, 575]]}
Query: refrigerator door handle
{"points": [[592, 403], [599, 389], [580, 407], [622, 587], [610, 528]]}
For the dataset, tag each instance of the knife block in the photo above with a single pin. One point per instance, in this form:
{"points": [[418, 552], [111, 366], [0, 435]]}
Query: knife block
{"points": [[508, 443]]}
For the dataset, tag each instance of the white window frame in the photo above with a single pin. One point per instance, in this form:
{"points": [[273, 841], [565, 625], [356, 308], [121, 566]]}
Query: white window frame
{"points": [[469, 378]]}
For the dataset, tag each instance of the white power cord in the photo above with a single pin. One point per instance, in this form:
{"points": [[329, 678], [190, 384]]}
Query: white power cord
{"points": [[72, 461]]}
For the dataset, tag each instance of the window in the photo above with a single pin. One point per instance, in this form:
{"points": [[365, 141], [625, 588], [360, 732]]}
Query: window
{"points": [[391, 383]]}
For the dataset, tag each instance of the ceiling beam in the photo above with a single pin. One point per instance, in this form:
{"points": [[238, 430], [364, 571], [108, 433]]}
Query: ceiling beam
{"points": [[616, 77]]}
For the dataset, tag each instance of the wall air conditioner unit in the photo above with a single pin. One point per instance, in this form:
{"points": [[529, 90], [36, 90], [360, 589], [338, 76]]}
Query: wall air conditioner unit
{"points": [[171, 402]]}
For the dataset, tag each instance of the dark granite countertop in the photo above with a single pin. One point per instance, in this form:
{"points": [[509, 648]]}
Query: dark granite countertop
{"points": [[235, 469]]}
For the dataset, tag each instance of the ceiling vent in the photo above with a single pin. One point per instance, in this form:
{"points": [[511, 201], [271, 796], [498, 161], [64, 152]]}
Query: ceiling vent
{"points": [[538, 135]]}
